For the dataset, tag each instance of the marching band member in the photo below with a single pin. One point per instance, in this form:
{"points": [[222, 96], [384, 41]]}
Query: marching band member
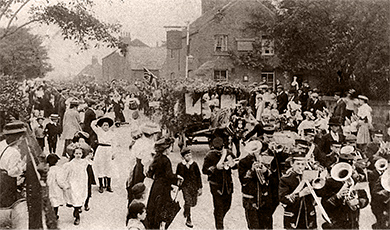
{"points": [[374, 178], [380, 199], [259, 182], [299, 211], [220, 178], [339, 197]]}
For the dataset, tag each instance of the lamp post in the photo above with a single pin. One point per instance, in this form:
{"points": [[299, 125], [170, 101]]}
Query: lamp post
{"points": [[188, 47]]}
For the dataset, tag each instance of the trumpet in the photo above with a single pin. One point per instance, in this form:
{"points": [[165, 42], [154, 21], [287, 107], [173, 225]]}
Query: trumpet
{"points": [[381, 165], [258, 169]]}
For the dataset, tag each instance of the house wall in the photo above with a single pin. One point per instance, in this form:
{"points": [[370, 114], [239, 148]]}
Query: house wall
{"points": [[115, 67], [231, 22]]}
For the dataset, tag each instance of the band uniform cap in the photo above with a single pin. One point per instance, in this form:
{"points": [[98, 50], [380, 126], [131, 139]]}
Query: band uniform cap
{"points": [[185, 151], [302, 142], [363, 97], [138, 188], [309, 131], [263, 86], [14, 127], [150, 128], [347, 150], [102, 120], [334, 121], [253, 147], [298, 156], [54, 116]]}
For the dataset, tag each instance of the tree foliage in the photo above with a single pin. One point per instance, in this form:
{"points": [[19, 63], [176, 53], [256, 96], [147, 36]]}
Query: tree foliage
{"points": [[22, 55], [344, 43], [12, 100], [75, 18]]}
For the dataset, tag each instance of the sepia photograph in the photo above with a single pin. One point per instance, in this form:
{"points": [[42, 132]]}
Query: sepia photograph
{"points": [[194, 114]]}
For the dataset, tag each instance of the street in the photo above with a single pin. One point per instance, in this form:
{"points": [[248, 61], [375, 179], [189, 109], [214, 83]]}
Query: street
{"points": [[108, 210]]}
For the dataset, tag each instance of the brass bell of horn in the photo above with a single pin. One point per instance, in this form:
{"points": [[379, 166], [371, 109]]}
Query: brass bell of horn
{"points": [[341, 171], [385, 180], [318, 183], [381, 165]]}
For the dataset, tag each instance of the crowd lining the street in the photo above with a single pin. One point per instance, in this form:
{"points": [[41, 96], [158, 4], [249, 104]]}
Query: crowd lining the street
{"points": [[334, 149]]}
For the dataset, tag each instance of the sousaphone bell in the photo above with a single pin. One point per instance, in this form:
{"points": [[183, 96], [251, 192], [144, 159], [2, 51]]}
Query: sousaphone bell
{"points": [[385, 180]]}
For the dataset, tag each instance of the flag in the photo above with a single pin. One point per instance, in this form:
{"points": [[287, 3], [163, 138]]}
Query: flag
{"points": [[150, 78]]}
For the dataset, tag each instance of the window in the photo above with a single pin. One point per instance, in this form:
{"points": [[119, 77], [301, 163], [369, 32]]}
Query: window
{"points": [[220, 43], [220, 75], [268, 77], [172, 53], [267, 46], [245, 44]]}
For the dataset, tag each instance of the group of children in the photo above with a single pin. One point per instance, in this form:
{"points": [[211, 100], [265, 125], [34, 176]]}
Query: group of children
{"points": [[191, 187]]}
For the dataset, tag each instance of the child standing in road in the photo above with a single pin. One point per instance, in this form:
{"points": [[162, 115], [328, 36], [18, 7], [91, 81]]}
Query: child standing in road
{"points": [[56, 183], [53, 131], [192, 184]]}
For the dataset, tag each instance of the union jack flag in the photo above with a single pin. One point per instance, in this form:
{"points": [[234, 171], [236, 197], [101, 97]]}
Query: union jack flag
{"points": [[150, 78]]}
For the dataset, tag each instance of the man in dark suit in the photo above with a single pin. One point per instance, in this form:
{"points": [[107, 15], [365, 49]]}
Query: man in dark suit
{"points": [[340, 109], [335, 135], [315, 103], [282, 99], [89, 116]]}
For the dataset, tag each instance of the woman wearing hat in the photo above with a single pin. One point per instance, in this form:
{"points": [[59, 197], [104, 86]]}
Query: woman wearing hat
{"points": [[104, 155], [71, 124], [365, 122], [160, 194], [308, 123]]}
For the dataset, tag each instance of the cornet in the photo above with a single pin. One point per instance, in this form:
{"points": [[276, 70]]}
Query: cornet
{"points": [[381, 165]]}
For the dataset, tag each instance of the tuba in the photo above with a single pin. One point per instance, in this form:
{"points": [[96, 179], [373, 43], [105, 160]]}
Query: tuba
{"points": [[381, 165], [343, 172]]}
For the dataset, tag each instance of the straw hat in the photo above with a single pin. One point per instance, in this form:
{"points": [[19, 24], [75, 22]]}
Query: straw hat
{"points": [[14, 127]]}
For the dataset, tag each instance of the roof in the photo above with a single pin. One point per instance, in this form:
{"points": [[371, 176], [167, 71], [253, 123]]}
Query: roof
{"points": [[138, 43], [211, 15], [152, 58], [94, 70]]}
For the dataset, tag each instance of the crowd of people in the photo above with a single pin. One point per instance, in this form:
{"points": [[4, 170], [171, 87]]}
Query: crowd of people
{"points": [[334, 149]]}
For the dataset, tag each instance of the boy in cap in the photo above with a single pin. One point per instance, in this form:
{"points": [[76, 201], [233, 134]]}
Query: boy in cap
{"points": [[53, 132], [299, 211], [192, 184]]}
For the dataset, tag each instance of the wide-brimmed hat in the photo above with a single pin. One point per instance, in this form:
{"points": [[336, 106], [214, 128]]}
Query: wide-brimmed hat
{"points": [[138, 188], [163, 144], [334, 121], [14, 127], [348, 150], [253, 147], [150, 128], [102, 120], [83, 146]]}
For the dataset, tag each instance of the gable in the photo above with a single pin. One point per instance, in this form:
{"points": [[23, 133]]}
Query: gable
{"points": [[152, 58]]}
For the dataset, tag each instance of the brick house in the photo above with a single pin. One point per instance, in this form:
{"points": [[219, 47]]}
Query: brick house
{"points": [[91, 71], [129, 65], [214, 36]]}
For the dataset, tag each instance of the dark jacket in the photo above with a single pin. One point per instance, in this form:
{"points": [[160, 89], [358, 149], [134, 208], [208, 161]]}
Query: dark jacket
{"points": [[89, 116], [282, 101], [340, 109], [302, 207], [222, 179], [191, 175], [257, 195], [327, 141], [52, 130], [341, 215]]}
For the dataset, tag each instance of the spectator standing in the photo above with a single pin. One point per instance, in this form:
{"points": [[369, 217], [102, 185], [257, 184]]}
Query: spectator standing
{"points": [[72, 123], [53, 132], [39, 132]]}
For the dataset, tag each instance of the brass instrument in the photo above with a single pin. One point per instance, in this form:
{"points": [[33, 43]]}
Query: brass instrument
{"points": [[381, 165], [258, 169], [343, 172], [385, 180]]}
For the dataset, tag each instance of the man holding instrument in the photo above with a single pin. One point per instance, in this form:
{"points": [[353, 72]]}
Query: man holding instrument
{"points": [[295, 196], [259, 180], [218, 165]]}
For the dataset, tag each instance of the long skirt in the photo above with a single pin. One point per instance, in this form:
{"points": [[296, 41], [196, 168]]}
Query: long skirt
{"points": [[363, 135], [102, 166]]}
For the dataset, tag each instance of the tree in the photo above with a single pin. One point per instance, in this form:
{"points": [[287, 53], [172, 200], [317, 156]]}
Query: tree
{"points": [[22, 55], [75, 18], [343, 43]]}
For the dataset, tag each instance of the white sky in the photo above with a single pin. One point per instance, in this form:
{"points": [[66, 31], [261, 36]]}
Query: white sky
{"points": [[144, 19]]}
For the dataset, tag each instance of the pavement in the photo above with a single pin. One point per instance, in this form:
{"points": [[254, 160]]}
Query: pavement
{"points": [[108, 210]]}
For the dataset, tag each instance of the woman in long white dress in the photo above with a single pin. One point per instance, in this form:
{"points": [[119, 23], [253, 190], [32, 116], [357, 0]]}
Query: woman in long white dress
{"points": [[104, 156], [365, 122]]}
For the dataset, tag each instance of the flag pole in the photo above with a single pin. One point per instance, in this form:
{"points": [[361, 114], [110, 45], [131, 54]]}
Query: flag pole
{"points": [[188, 47]]}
